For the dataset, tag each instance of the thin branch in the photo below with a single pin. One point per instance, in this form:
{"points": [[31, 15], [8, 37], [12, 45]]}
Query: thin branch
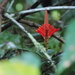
{"points": [[37, 44], [58, 38], [44, 8], [30, 23], [10, 5], [0, 21], [4, 57], [56, 54], [2, 6]]}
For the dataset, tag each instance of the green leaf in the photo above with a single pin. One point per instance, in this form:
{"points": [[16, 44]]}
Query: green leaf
{"points": [[68, 56], [54, 44], [55, 15], [8, 37], [9, 41]]}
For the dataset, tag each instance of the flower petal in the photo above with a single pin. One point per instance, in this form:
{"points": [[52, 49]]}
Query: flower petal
{"points": [[46, 30]]}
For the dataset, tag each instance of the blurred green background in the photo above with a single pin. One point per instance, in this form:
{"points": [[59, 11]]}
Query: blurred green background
{"points": [[18, 55]]}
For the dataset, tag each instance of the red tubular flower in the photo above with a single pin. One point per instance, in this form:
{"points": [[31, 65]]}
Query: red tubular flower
{"points": [[46, 30]]}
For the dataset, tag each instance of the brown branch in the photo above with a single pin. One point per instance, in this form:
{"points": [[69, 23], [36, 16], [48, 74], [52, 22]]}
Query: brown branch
{"points": [[2, 6], [4, 3], [32, 24], [29, 23]]}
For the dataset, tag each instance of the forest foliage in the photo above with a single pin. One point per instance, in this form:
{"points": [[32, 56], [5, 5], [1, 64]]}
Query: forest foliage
{"points": [[24, 53]]}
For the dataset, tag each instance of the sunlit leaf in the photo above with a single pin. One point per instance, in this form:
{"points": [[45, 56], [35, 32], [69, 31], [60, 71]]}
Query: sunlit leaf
{"points": [[21, 65]]}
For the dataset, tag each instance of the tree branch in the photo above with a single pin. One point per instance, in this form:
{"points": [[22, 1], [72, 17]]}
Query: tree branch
{"points": [[44, 8], [29, 23], [12, 1], [2, 6]]}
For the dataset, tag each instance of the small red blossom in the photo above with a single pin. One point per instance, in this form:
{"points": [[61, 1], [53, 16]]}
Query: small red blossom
{"points": [[46, 30]]}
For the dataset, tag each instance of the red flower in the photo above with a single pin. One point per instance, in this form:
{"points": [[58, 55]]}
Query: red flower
{"points": [[46, 30]]}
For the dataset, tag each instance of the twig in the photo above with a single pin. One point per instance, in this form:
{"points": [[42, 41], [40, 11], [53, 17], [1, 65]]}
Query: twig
{"points": [[10, 5], [37, 44], [58, 38], [30, 23], [44, 8], [2, 6], [56, 54], [4, 57], [0, 21]]}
